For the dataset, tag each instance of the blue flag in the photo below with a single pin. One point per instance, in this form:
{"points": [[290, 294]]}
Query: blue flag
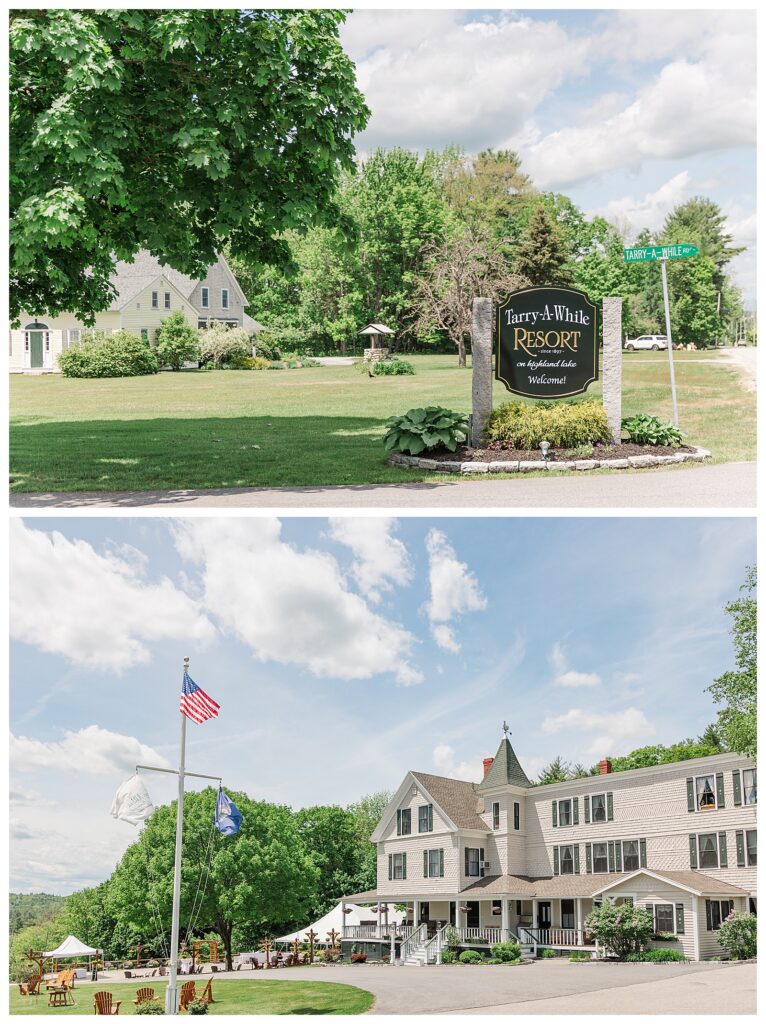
{"points": [[227, 815]]}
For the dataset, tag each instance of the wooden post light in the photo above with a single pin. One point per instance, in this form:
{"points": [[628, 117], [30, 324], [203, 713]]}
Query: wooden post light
{"points": [[295, 948], [312, 936], [266, 948], [333, 937]]}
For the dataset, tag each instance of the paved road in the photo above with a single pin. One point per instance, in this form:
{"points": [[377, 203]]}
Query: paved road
{"points": [[730, 485]]}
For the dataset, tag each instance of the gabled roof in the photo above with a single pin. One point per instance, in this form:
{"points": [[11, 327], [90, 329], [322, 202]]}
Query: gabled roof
{"points": [[130, 279], [694, 881], [457, 799], [377, 329], [505, 770], [251, 325]]}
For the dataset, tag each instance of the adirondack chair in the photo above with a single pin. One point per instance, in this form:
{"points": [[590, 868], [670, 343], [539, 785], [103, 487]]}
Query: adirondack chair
{"points": [[188, 992], [207, 993], [143, 995], [61, 980], [103, 1003]]}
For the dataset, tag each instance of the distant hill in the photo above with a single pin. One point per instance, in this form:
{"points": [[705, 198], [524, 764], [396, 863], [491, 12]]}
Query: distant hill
{"points": [[32, 908]]}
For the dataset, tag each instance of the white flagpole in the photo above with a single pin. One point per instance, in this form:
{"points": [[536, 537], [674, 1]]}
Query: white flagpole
{"points": [[171, 996]]}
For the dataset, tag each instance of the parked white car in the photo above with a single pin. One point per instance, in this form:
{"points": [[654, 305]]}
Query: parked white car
{"points": [[651, 341]]}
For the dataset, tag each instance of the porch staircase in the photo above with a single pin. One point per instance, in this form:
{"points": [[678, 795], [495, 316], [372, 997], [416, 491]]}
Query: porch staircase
{"points": [[414, 952]]}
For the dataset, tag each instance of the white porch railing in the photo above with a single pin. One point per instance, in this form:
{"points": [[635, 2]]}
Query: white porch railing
{"points": [[565, 938], [375, 931], [416, 938], [486, 935]]}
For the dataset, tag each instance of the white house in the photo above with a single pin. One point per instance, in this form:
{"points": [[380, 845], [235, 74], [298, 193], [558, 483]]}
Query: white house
{"points": [[146, 292], [505, 859]]}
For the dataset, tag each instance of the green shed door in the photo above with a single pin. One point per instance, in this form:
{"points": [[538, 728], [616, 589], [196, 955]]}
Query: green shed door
{"points": [[35, 348]]}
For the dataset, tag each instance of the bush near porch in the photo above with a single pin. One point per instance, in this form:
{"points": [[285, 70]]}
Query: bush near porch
{"points": [[621, 929]]}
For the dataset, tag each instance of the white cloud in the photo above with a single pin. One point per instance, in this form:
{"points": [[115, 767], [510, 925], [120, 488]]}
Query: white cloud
{"points": [[612, 732], [381, 561], [98, 611], [649, 211], [89, 751], [454, 589], [444, 762], [291, 606], [566, 676]]}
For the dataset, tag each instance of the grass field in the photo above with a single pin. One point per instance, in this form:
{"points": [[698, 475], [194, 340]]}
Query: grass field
{"points": [[309, 427], [231, 997]]}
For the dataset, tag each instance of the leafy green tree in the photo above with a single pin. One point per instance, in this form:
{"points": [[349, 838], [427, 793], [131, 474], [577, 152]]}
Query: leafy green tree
{"points": [[330, 836], [367, 813], [38, 937], [712, 738], [219, 343], [27, 908], [542, 257], [170, 130], [737, 689], [694, 309], [177, 341], [261, 877], [647, 757]]}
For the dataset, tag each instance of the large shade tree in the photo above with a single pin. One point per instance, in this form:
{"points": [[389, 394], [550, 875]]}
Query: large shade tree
{"points": [[737, 689], [170, 130]]}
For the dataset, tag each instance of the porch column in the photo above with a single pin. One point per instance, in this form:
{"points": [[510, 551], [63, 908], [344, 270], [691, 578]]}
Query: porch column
{"points": [[578, 921], [384, 916], [415, 913], [534, 913], [343, 918], [504, 920]]}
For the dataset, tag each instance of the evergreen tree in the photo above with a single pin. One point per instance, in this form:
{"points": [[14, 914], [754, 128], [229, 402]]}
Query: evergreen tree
{"points": [[542, 257], [557, 771]]}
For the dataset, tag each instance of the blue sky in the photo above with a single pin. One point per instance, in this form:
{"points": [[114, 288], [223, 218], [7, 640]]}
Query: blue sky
{"points": [[343, 652], [628, 112]]}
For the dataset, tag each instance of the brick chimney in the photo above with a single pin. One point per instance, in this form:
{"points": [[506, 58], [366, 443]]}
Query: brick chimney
{"points": [[488, 764], [605, 766]]}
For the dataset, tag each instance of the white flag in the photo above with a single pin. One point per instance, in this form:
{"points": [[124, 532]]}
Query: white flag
{"points": [[132, 802]]}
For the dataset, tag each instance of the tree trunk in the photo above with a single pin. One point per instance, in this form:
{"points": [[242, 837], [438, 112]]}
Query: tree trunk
{"points": [[461, 352], [225, 929]]}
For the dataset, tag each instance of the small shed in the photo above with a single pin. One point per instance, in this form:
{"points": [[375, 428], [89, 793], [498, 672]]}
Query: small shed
{"points": [[377, 334]]}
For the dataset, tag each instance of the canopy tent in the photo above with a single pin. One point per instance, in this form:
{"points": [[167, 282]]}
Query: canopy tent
{"points": [[72, 947], [335, 919]]}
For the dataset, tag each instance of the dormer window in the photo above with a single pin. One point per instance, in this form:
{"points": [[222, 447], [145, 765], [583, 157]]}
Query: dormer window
{"points": [[495, 815], [404, 822]]}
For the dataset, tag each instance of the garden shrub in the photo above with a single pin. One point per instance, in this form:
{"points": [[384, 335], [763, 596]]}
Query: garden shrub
{"points": [[448, 956], [265, 345], [506, 952], [656, 956], [392, 367], [547, 954], [153, 1006], [645, 429], [177, 342], [579, 957], [451, 937], [121, 354], [220, 344], [426, 429], [738, 935], [248, 363], [622, 929], [470, 956], [197, 1006], [565, 425]]}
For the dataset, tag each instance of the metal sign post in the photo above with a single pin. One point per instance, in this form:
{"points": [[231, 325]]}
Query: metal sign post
{"points": [[663, 263]]}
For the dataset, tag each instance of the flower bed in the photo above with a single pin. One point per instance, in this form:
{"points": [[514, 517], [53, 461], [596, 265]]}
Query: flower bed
{"points": [[470, 461]]}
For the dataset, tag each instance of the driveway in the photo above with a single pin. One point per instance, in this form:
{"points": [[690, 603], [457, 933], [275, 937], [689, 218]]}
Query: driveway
{"points": [[729, 485], [544, 987]]}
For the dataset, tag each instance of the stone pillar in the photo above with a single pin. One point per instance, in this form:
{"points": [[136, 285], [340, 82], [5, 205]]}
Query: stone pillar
{"points": [[481, 368], [611, 373]]}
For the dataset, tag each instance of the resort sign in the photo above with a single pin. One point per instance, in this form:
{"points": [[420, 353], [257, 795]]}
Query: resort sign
{"points": [[547, 343], [659, 252]]}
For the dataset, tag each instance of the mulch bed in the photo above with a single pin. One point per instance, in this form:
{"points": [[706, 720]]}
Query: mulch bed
{"points": [[623, 451]]}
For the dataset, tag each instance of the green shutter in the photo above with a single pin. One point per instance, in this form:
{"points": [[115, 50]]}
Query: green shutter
{"points": [[430, 817], [586, 808], [618, 855], [576, 810], [466, 862], [425, 863], [679, 918], [719, 789], [690, 795], [577, 859], [390, 866], [404, 865], [723, 859], [736, 781], [642, 853], [555, 812], [555, 860], [588, 858], [398, 823], [610, 855], [441, 863], [740, 837], [708, 916], [609, 807], [693, 851]]}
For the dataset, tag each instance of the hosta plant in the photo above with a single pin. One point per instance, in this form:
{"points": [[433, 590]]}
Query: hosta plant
{"points": [[645, 429], [426, 429]]}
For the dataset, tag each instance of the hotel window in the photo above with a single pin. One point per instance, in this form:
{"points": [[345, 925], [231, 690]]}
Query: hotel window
{"points": [[155, 300], [224, 298], [516, 815], [600, 863], [598, 807], [708, 847], [567, 914], [496, 815], [426, 818], [404, 822], [752, 847], [664, 917], [74, 335], [473, 859], [167, 300], [566, 860], [397, 866], [565, 812], [205, 298], [705, 790], [750, 785], [716, 911], [433, 863], [630, 855]]}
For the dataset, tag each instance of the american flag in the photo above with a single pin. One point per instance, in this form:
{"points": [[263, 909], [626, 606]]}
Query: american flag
{"points": [[195, 703]]}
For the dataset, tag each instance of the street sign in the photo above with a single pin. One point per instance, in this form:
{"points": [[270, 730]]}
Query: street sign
{"points": [[659, 252]]}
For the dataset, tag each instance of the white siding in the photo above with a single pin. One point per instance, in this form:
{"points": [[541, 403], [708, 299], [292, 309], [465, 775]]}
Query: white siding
{"points": [[138, 312], [218, 277]]}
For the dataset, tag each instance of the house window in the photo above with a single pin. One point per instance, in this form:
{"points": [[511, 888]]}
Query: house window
{"points": [[167, 300], [567, 914], [750, 785], [630, 855], [433, 863], [496, 815], [426, 818], [224, 298], [600, 863], [472, 863], [205, 298], [664, 917], [565, 812], [716, 911], [404, 822], [598, 807], [155, 300], [516, 815], [74, 335], [144, 334], [566, 860], [398, 865], [752, 846], [705, 790], [708, 848]]}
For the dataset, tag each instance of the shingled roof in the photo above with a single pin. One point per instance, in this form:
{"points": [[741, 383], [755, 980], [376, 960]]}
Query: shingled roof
{"points": [[457, 799], [131, 278], [505, 770], [571, 886]]}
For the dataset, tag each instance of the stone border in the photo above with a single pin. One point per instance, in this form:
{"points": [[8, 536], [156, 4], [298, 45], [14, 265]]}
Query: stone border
{"points": [[517, 466]]}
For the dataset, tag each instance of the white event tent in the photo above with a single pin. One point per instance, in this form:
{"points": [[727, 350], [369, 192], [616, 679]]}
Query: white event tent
{"points": [[72, 947], [335, 919]]}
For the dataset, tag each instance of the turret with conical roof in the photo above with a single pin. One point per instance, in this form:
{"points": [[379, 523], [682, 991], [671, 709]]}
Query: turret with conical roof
{"points": [[505, 769]]}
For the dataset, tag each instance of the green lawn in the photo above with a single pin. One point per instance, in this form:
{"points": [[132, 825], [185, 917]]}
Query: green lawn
{"points": [[307, 427], [231, 997]]}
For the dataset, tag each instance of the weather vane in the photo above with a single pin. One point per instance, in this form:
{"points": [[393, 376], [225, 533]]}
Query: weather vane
{"points": [[506, 730]]}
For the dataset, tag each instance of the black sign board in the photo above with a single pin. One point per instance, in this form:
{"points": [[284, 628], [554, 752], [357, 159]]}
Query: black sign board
{"points": [[547, 343]]}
